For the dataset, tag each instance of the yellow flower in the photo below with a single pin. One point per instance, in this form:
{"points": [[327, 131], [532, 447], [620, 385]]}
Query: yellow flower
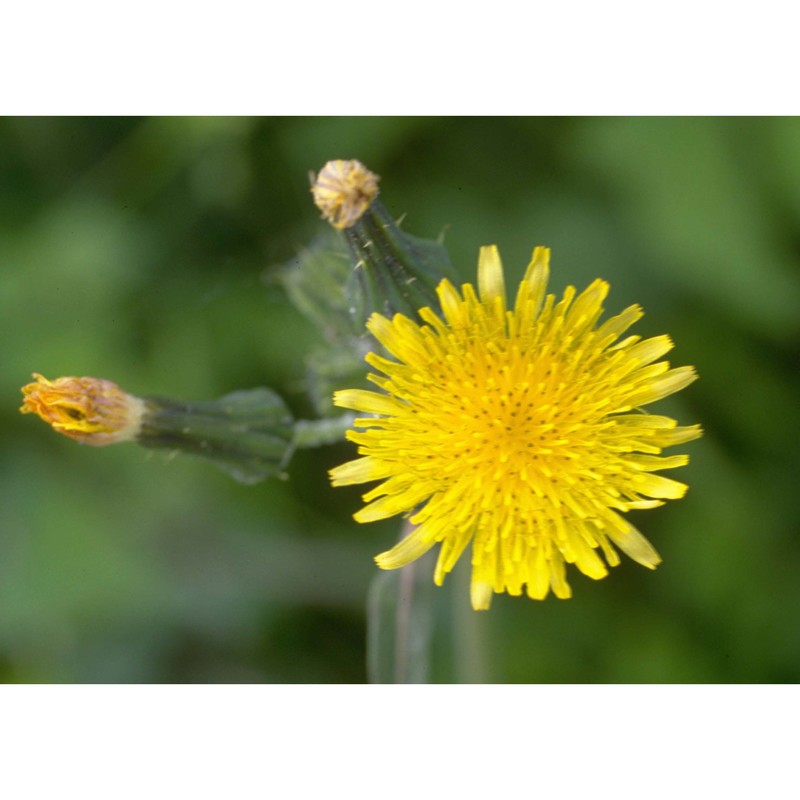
{"points": [[518, 431], [90, 410]]}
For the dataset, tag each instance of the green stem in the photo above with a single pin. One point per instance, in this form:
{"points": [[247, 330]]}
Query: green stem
{"points": [[400, 622], [394, 271], [470, 633], [319, 432], [247, 433]]}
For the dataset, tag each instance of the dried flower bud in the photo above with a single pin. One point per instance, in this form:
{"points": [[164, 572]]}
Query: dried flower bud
{"points": [[343, 191], [90, 410]]}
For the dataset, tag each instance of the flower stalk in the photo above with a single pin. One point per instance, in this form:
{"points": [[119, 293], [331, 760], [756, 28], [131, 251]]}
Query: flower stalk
{"points": [[248, 433], [319, 432]]}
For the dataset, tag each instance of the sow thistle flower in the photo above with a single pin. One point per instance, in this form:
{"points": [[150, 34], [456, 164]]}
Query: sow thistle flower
{"points": [[517, 431]]}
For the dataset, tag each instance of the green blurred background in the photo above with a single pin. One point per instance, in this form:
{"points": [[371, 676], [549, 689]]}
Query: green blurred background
{"points": [[146, 251]]}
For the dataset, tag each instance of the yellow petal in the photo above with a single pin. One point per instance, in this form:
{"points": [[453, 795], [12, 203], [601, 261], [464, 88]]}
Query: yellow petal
{"points": [[360, 470], [587, 307], [634, 545], [452, 305], [416, 544], [558, 580], [537, 275], [480, 595], [677, 435], [659, 486], [650, 349], [664, 385], [613, 327], [491, 285], [649, 463], [538, 575], [363, 400]]}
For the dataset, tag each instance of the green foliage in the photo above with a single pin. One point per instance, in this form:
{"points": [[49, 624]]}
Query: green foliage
{"points": [[152, 252]]}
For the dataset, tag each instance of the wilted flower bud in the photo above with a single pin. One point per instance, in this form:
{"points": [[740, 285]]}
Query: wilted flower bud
{"points": [[90, 410], [343, 191]]}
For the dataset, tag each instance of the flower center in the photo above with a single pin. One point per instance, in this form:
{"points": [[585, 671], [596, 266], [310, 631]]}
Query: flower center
{"points": [[504, 418]]}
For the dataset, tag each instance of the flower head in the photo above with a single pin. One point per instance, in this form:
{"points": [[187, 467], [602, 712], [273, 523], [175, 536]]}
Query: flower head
{"points": [[518, 431], [90, 410], [343, 191]]}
